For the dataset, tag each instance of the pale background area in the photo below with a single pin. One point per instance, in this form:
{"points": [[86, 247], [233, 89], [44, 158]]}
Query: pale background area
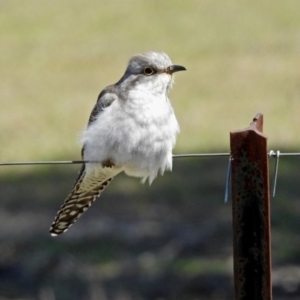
{"points": [[56, 57], [172, 240]]}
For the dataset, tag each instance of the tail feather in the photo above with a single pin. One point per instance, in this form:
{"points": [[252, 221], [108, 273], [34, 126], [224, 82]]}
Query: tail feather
{"points": [[85, 191]]}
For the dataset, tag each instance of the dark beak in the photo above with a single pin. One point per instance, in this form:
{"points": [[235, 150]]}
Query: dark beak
{"points": [[175, 68]]}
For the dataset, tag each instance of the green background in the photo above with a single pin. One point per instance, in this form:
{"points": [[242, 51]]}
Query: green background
{"points": [[171, 240]]}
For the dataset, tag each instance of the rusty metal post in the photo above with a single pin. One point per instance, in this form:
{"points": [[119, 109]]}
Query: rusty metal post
{"points": [[251, 212]]}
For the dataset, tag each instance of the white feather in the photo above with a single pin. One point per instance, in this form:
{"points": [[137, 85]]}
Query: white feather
{"points": [[137, 135]]}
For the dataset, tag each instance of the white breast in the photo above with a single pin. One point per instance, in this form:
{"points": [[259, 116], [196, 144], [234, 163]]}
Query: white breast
{"points": [[138, 135]]}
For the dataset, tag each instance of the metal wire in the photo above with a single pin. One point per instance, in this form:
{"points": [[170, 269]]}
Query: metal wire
{"points": [[66, 162], [49, 162], [276, 173], [228, 178], [188, 155], [286, 154], [271, 153], [200, 155]]}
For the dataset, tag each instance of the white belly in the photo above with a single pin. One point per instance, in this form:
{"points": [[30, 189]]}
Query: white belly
{"points": [[137, 136]]}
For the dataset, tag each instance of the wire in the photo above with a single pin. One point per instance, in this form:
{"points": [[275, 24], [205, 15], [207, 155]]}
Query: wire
{"points": [[288, 154], [188, 155], [66, 162], [276, 173], [57, 162], [200, 155], [228, 178]]}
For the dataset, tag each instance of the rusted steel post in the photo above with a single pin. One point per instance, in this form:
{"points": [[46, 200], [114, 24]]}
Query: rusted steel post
{"points": [[251, 212]]}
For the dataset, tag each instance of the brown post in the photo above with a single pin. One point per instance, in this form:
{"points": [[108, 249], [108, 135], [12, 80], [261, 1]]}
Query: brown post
{"points": [[251, 212]]}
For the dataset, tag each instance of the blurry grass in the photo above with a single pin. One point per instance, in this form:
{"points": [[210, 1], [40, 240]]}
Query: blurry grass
{"points": [[242, 58], [190, 199], [199, 266], [176, 233]]}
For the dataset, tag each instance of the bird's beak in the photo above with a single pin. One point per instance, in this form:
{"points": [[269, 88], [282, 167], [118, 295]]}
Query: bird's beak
{"points": [[175, 68]]}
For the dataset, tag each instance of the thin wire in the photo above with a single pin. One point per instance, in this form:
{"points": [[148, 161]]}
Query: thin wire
{"points": [[67, 162], [228, 178], [200, 155], [276, 173], [272, 153], [57, 162], [290, 154]]}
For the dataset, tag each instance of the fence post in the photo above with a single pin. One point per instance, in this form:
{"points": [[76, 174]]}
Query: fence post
{"points": [[251, 212]]}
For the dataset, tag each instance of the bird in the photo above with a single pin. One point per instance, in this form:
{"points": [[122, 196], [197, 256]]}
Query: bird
{"points": [[132, 128]]}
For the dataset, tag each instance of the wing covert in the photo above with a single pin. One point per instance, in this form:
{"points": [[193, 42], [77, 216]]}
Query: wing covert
{"points": [[105, 99]]}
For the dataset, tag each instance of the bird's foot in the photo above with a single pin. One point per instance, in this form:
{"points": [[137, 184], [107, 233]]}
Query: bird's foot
{"points": [[107, 163]]}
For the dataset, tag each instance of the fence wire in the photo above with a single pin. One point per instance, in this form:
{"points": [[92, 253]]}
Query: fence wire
{"points": [[271, 153]]}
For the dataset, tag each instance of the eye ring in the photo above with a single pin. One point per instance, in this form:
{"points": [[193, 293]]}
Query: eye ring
{"points": [[148, 71]]}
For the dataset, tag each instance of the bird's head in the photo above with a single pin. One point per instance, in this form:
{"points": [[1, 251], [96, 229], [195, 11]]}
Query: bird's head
{"points": [[150, 71]]}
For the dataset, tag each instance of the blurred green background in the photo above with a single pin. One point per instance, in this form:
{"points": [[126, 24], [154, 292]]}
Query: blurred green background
{"points": [[171, 240]]}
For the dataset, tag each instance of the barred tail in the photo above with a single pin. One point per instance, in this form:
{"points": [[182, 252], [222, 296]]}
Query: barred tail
{"points": [[85, 191]]}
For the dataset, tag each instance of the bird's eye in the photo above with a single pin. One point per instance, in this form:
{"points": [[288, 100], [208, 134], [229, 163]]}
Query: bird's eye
{"points": [[148, 71]]}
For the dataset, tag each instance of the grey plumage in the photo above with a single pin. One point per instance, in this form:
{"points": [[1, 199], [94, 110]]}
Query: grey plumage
{"points": [[132, 128]]}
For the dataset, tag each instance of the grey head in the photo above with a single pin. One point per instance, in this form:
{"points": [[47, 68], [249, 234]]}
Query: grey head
{"points": [[150, 71]]}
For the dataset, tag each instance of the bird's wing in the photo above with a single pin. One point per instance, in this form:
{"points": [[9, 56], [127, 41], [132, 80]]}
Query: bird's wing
{"points": [[105, 99], [88, 186]]}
